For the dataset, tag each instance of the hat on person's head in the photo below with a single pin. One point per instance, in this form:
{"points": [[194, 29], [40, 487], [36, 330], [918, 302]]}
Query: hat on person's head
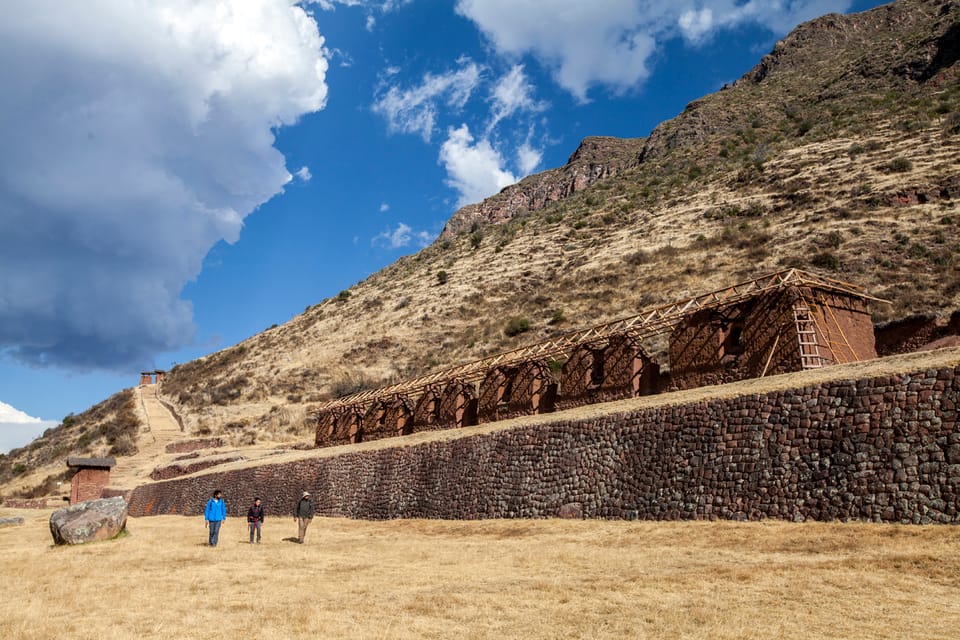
{"points": [[305, 494]]}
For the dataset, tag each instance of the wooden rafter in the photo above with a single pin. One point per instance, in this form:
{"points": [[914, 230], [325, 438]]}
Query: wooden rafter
{"points": [[648, 323]]}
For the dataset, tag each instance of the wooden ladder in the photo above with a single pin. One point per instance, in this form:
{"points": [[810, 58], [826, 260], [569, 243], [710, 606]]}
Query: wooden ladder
{"points": [[810, 357]]}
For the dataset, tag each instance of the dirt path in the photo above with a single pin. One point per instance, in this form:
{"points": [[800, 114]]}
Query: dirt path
{"points": [[160, 429]]}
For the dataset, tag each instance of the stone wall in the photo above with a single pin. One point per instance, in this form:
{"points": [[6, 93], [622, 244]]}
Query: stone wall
{"points": [[110, 492], [177, 470], [187, 446], [882, 449], [26, 503]]}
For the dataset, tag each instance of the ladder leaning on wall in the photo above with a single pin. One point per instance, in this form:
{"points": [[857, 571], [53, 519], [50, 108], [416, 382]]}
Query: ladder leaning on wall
{"points": [[810, 357]]}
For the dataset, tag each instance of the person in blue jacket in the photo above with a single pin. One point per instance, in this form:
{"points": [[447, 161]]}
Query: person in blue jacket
{"points": [[215, 514]]}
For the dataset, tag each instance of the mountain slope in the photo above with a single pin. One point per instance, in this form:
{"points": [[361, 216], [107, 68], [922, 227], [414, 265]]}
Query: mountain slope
{"points": [[839, 152]]}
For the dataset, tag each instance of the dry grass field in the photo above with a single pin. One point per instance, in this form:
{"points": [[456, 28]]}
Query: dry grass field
{"points": [[485, 579]]}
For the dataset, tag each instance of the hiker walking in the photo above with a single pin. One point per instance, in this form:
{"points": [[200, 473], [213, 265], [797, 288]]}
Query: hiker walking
{"points": [[214, 515], [255, 519], [303, 514]]}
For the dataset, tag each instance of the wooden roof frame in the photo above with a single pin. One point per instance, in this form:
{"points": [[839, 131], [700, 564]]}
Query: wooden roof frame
{"points": [[648, 323]]}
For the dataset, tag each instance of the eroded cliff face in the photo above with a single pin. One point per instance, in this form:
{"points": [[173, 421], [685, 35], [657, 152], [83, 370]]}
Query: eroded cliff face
{"points": [[597, 158]]}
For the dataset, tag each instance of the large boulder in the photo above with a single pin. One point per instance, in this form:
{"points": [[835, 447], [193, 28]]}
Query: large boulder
{"points": [[87, 521]]}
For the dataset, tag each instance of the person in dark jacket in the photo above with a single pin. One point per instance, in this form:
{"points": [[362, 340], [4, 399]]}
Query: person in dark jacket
{"points": [[303, 514], [214, 515], [255, 519]]}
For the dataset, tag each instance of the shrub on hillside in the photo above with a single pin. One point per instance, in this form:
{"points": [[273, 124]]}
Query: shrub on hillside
{"points": [[826, 260], [123, 446], [637, 257], [951, 124], [899, 165], [49, 486], [515, 326], [349, 385]]}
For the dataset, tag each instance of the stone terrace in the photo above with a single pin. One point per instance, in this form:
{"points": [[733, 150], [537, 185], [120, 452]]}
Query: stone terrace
{"points": [[879, 443]]}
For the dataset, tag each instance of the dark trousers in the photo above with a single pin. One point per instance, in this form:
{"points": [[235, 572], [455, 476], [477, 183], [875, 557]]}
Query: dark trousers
{"points": [[214, 531], [255, 526]]}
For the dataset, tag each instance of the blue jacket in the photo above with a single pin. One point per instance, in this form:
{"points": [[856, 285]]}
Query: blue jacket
{"points": [[216, 510]]}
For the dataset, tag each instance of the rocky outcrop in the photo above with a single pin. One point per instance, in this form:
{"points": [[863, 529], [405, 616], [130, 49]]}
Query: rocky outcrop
{"points": [[915, 333], [88, 521], [797, 77], [11, 522], [595, 159]]}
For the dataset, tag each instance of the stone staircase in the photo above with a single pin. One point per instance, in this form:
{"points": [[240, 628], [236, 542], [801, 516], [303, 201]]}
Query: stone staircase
{"points": [[160, 428]]}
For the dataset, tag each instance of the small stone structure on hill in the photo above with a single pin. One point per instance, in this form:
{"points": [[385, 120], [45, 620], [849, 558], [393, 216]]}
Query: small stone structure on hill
{"points": [[779, 323], [151, 377], [91, 477]]}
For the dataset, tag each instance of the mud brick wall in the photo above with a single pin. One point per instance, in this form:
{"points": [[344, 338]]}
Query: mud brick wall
{"points": [[701, 353], [846, 329], [87, 484], [882, 449]]}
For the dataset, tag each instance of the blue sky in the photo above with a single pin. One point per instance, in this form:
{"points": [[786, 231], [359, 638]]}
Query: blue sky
{"points": [[178, 175]]}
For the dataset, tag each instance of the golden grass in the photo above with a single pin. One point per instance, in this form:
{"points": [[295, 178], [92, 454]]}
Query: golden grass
{"points": [[486, 579]]}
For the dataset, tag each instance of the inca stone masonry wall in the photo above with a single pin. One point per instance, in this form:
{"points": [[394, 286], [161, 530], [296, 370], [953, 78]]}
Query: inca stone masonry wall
{"points": [[883, 449]]}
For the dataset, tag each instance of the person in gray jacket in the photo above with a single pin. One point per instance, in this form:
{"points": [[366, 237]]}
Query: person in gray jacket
{"points": [[303, 514]]}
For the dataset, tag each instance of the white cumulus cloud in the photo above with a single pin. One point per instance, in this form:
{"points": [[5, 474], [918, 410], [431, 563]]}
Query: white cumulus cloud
{"points": [[611, 43], [511, 94], [696, 24], [136, 134], [17, 428], [528, 158], [474, 168], [415, 109], [403, 236]]}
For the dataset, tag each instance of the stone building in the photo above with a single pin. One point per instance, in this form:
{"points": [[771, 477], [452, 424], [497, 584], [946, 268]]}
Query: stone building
{"points": [[609, 369], [91, 478], [777, 323], [151, 377], [524, 388], [779, 330]]}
